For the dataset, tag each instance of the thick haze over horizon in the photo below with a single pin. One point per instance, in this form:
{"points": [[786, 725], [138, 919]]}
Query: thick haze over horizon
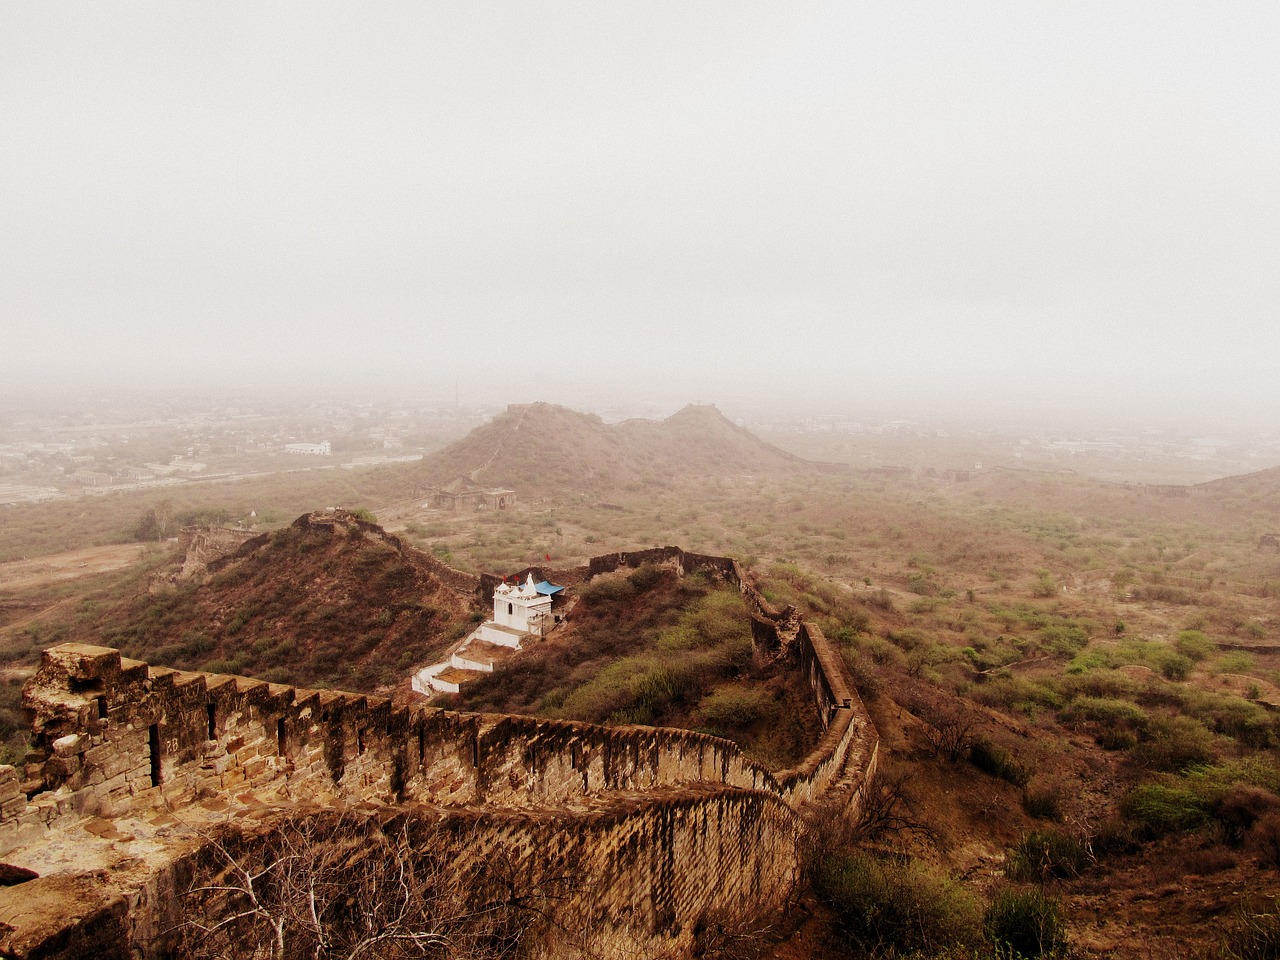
{"points": [[962, 207]]}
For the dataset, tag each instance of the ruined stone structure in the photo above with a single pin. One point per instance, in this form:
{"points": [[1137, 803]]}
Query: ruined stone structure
{"points": [[465, 494], [206, 544], [659, 828]]}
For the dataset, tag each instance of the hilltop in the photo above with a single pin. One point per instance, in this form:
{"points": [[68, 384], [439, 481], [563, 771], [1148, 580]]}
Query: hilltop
{"points": [[542, 449], [1261, 485], [330, 599]]}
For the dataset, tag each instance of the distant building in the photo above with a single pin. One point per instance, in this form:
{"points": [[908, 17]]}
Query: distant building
{"points": [[462, 494], [321, 449], [90, 478]]}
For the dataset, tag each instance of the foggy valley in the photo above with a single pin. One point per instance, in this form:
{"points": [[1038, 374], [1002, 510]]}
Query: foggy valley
{"points": [[735, 481]]}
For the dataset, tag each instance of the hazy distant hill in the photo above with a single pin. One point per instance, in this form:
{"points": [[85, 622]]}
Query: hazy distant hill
{"points": [[541, 449], [328, 600], [1261, 483]]}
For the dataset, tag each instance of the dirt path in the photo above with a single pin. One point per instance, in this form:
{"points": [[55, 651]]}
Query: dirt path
{"points": [[24, 574]]}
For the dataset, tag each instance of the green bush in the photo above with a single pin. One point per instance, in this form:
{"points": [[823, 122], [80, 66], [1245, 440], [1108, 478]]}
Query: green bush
{"points": [[606, 590], [645, 577], [1025, 923], [1174, 666], [1044, 854], [887, 909], [733, 706], [1063, 640], [1015, 693], [1161, 808], [1235, 717], [219, 666], [1108, 711], [1194, 644], [1097, 683], [678, 637], [1210, 780], [1233, 661], [995, 760], [1117, 738], [1044, 585], [1175, 743]]}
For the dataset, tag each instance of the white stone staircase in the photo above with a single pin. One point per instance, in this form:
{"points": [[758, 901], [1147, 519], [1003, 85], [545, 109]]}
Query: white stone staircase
{"points": [[478, 653]]}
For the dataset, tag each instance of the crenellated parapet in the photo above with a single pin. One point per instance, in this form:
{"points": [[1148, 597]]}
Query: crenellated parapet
{"points": [[115, 736]]}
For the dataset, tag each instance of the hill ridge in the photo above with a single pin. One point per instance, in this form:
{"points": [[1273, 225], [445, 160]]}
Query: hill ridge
{"points": [[545, 449]]}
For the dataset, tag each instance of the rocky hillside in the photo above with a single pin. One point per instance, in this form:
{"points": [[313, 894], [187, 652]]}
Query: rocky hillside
{"points": [[331, 600], [541, 449]]}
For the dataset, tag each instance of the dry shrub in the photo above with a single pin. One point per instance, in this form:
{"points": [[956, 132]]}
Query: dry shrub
{"points": [[1114, 837], [1264, 838], [1044, 799], [866, 678], [1204, 860], [343, 885], [885, 809], [1240, 807], [1254, 932], [948, 730], [999, 762]]}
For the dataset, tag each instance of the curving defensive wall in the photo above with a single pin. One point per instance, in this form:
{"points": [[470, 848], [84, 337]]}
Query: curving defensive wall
{"points": [[659, 828]]}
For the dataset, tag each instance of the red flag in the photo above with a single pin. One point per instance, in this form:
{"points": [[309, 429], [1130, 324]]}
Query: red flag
{"points": [[548, 556]]}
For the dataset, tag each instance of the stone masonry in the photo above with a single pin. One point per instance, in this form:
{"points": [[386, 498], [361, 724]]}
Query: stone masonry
{"points": [[662, 826]]}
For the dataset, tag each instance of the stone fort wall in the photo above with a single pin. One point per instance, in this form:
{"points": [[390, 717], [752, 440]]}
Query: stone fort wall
{"points": [[669, 823]]}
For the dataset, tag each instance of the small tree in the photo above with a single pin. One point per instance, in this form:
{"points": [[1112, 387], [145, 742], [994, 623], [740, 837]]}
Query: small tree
{"points": [[343, 886], [949, 731]]}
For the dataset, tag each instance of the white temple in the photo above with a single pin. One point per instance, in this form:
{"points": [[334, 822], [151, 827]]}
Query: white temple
{"points": [[520, 610]]}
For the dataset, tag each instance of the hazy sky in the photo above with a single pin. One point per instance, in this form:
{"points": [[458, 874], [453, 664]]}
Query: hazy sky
{"points": [[1004, 203]]}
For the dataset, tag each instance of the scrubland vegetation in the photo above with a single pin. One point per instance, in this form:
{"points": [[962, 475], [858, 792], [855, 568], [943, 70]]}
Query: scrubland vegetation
{"points": [[648, 648], [1075, 684]]}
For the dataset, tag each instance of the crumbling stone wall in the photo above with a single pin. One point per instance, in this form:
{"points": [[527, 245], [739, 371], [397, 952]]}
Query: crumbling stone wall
{"points": [[644, 871], [205, 544], [847, 754], [667, 824], [684, 561], [114, 736]]}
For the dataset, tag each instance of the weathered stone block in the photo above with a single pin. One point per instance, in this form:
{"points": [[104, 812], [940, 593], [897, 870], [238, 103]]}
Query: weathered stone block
{"points": [[71, 744], [118, 765], [100, 755], [255, 767], [112, 785], [62, 768]]}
